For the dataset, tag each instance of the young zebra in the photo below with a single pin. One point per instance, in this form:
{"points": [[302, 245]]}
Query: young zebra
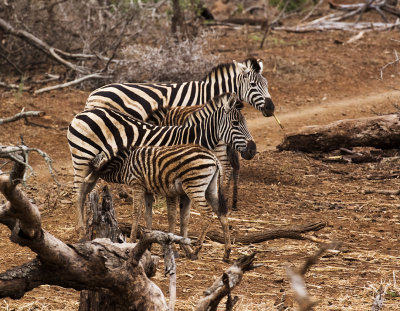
{"points": [[225, 154], [112, 132], [146, 101], [171, 171]]}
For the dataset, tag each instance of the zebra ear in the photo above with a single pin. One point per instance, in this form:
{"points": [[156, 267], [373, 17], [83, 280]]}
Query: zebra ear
{"points": [[241, 67], [261, 65], [230, 103]]}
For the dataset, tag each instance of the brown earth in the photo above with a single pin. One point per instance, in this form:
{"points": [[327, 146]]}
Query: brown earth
{"points": [[314, 79]]}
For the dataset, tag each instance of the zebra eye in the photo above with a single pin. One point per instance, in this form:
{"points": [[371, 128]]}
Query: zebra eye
{"points": [[235, 123], [253, 84]]}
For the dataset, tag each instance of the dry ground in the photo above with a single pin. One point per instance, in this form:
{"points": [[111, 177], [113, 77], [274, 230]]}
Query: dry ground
{"points": [[314, 79]]}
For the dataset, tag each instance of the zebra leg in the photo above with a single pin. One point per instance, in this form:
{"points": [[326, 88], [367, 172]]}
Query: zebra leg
{"points": [[215, 202], [184, 207], [138, 203], [149, 200], [234, 162], [171, 212], [215, 197]]}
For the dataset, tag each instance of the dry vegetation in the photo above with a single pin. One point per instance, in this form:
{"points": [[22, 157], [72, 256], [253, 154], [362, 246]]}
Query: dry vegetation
{"points": [[314, 78]]}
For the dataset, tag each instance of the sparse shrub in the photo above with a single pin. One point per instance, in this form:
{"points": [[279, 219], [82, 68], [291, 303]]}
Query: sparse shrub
{"points": [[169, 61]]}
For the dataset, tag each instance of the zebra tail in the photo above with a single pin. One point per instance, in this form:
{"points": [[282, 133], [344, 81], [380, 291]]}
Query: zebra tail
{"points": [[222, 208]]}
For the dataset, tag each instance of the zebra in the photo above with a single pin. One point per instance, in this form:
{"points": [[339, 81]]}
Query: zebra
{"points": [[111, 131], [147, 101], [186, 170], [226, 155]]}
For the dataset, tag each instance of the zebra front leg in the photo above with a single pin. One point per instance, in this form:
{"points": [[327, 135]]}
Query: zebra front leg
{"points": [[138, 203]]}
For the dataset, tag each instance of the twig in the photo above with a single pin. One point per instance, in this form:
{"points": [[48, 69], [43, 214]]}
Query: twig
{"points": [[312, 11], [22, 115], [391, 63], [12, 152], [297, 278], [14, 86], [388, 192], [269, 25], [379, 299], [76, 81]]}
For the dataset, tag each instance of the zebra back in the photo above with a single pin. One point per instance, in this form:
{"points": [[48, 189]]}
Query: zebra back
{"points": [[158, 168]]}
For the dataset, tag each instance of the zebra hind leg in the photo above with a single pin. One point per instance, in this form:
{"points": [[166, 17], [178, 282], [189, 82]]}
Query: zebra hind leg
{"points": [[215, 197], [234, 161], [184, 212]]}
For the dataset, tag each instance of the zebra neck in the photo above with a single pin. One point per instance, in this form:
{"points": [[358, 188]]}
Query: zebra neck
{"points": [[204, 133], [219, 81]]}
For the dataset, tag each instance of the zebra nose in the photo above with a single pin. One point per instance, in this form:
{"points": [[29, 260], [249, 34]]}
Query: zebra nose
{"points": [[250, 150], [269, 108]]}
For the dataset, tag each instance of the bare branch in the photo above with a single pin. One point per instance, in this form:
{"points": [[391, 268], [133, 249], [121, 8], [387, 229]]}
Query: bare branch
{"points": [[76, 81], [12, 152], [397, 60], [217, 291], [21, 115]]}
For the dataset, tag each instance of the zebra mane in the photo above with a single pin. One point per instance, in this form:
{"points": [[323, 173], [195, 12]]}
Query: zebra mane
{"points": [[212, 105], [251, 62], [254, 65]]}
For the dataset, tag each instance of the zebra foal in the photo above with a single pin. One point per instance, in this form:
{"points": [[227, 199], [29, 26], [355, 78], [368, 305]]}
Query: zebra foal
{"points": [[225, 153], [189, 171]]}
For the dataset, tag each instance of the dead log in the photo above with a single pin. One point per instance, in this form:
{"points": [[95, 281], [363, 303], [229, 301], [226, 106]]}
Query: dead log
{"points": [[100, 264], [293, 232], [380, 132], [101, 222]]}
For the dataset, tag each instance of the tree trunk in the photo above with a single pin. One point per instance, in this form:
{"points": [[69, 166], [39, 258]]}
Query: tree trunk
{"points": [[380, 132], [101, 223]]}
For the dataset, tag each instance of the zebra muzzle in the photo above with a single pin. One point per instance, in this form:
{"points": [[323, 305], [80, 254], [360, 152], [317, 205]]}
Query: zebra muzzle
{"points": [[250, 150], [269, 108]]}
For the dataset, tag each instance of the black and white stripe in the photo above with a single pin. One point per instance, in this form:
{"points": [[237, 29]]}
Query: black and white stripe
{"points": [[225, 153], [105, 130], [146, 101], [170, 171]]}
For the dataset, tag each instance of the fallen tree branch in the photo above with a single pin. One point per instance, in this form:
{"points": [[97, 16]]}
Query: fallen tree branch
{"points": [[380, 132], [296, 278], [14, 86], [221, 287], [76, 81], [22, 115], [380, 191], [294, 232], [332, 25], [14, 153]]}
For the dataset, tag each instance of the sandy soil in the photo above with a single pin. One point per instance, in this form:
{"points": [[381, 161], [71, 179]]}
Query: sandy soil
{"points": [[314, 79]]}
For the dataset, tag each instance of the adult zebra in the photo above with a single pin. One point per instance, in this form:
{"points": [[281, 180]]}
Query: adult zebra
{"points": [[147, 102], [111, 131]]}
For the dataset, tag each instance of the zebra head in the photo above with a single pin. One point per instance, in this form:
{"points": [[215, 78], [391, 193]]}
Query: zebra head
{"points": [[233, 128], [253, 87]]}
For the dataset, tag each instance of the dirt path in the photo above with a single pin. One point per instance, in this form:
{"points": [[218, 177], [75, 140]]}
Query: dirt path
{"points": [[323, 113]]}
